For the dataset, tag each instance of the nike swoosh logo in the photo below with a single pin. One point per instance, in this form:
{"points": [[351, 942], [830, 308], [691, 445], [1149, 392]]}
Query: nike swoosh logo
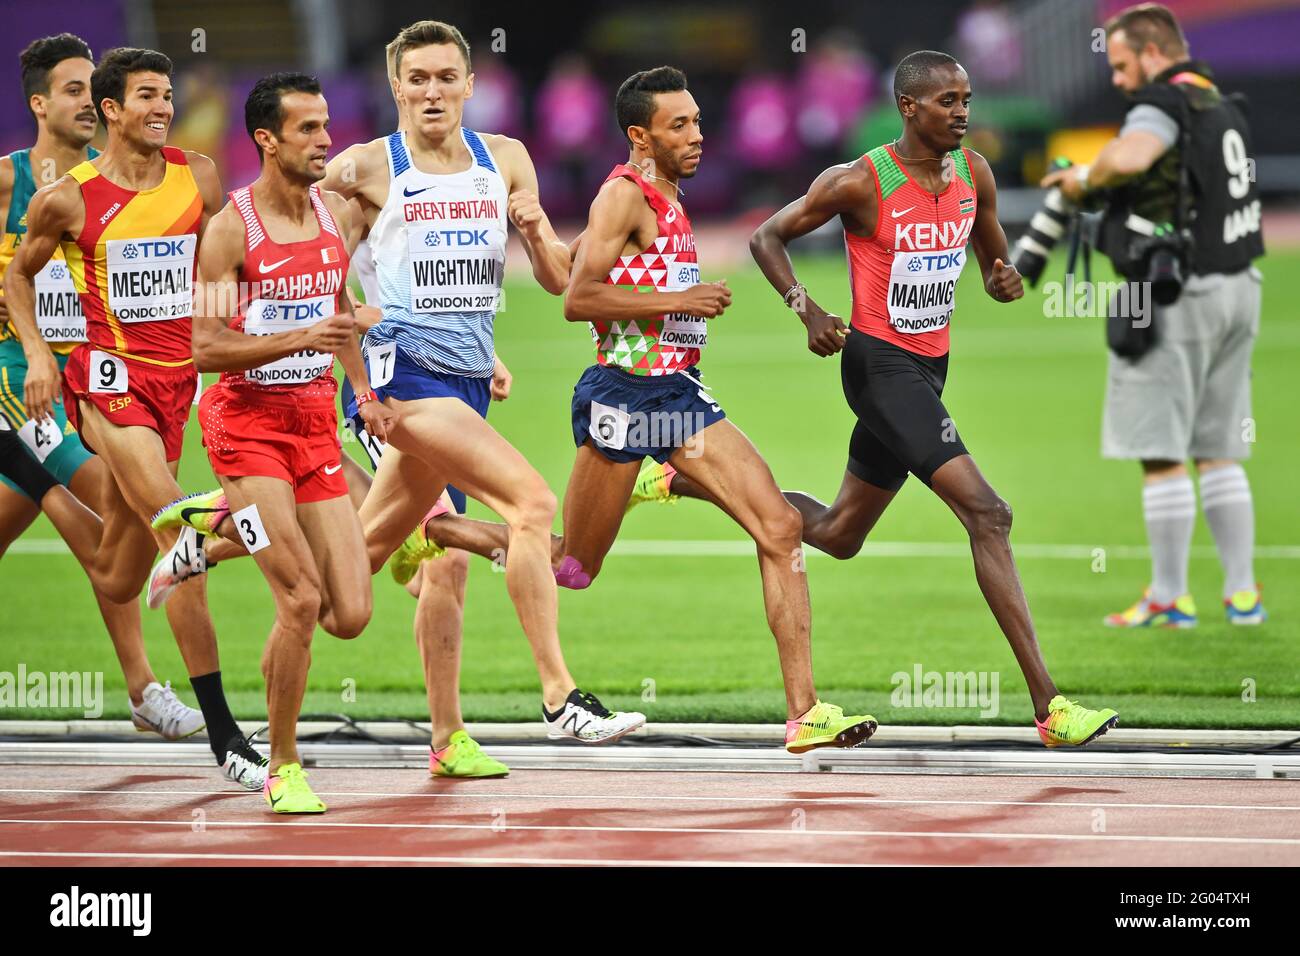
{"points": [[263, 268], [408, 194], [330, 471], [901, 212]]}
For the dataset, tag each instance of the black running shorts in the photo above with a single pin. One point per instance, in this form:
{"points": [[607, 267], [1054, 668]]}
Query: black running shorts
{"points": [[902, 424]]}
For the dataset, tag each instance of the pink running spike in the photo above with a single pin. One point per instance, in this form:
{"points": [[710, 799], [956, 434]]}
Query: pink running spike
{"points": [[570, 574]]}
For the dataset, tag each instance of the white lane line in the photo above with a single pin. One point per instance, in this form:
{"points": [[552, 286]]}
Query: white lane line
{"points": [[727, 831], [872, 549], [692, 798], [465, 860]]}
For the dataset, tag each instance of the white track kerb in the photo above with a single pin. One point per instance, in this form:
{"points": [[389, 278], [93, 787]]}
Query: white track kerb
{"points": [[894, 749]]}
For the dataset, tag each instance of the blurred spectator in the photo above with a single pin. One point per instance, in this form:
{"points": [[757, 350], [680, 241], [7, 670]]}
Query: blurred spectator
{"points": [[497, 104], [762, 122], [988, 44], [835, 84], [573, 139]]}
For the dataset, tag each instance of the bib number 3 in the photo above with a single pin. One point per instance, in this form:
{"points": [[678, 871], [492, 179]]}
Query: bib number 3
{"points": [[107, 374], [249, 525]]}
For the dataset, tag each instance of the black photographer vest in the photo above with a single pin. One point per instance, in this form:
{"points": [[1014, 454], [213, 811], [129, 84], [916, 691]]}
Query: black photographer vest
{"points": [[1223, 211]]}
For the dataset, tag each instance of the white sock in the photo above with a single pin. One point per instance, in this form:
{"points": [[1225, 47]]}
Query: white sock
{"points": [[1230, 513], [1169, 507]]}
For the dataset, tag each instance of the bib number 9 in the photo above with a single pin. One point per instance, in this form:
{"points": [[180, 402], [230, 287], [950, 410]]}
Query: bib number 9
{"points": [[107, 374]]}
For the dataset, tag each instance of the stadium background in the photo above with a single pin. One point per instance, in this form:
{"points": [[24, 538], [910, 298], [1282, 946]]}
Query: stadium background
{"points": [[675, 625]]}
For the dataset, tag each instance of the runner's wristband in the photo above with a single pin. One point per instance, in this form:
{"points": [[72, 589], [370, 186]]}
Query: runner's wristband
{"points": [[791, 292], [364, 397]]}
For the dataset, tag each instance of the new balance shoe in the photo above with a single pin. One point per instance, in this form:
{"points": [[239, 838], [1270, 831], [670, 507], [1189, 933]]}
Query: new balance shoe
{"points": [[244, 765], [462, 757], [417, 548], [652, 484], [185, 560], [287, 791], [1245, 608], [1070, 724], [203, 512], [583, 717], [825, 725], [1147, 613], [163, 713]]}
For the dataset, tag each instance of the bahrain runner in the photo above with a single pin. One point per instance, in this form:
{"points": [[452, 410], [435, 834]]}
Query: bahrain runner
{"points": [[275, 259], [128, 223]]}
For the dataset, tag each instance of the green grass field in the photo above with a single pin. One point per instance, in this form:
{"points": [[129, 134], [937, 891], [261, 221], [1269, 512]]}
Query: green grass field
{"points": [[682, 636]]}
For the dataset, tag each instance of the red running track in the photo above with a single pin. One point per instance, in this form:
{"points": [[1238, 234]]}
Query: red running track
{"points": [[116, 816]]}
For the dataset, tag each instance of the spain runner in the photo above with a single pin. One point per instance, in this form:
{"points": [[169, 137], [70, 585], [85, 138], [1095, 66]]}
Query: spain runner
{"points": [[636, 280], [56, 82], [128, 224], [443, 195], [908, 210]]}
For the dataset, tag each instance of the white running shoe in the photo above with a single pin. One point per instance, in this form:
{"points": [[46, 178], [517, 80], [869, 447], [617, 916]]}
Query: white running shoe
{"points": [[163, 713], [583, 717], [185, 560], [244, 765]]}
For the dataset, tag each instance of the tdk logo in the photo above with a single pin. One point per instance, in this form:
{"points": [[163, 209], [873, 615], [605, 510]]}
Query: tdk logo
{"points": [[937, 263], [914, 264], [154, 249], [268, 312], [456, 237], [294, 311]]}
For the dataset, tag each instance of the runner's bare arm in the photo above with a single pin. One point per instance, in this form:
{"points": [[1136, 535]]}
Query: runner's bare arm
{"points": [[351, 220], [549, 256], [848, 191], [615, 215], [54, 211], [209, 183], [1001, 280], [219, 348], [359, 172], [6, 194]]}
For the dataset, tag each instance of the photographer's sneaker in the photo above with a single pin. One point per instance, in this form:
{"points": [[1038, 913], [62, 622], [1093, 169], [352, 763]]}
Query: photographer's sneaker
{"points": [[1147, 613], [185, 560], [162, 712], [824, 725], [1245, 608], [583, 717], [244, 765]]}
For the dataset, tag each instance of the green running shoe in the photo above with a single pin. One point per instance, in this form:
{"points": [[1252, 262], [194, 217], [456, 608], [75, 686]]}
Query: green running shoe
{"points": [[203, 512], [287, 791], [1069, 724], [652, 484], [463, 757], [826, 726], [405, 561]]}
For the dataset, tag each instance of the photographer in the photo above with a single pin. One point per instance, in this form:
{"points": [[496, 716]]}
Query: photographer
{"points": [[1182, 215]]}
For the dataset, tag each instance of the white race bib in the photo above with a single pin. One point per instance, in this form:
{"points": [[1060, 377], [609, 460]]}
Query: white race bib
{"points": [[248, 523], [608, 425], [921, 289], [268, 316], [107, 373], [379, 364], [42, 438], [58, 308], [679, 330], [149, 280], [456, 268]]}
